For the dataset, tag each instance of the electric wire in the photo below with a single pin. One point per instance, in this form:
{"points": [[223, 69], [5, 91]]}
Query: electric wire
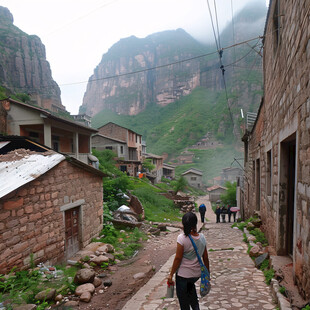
{"points": [[220, 52], [217, 25], [142, 70]]}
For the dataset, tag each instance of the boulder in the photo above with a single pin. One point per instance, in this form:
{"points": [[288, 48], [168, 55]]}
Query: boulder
{"points": [[107, 283], [106, 248], [139, 275], [162, 227], [97, 282], [110, 257], [86, 297], [100, 259], [48, 294], [88, 287], [255, 251], [25, 307], [84, 276], [71, 303]]}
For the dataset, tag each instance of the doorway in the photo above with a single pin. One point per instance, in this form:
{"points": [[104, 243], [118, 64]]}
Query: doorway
{"points": [[72, 231], [287, 196]]}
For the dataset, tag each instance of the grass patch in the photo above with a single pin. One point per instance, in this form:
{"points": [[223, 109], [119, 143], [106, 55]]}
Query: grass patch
{"points": [[125, 241], [157, 207]]}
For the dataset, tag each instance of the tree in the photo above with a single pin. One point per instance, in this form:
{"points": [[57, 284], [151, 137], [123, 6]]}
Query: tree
{"points": [[179, 185], [229, 198], [147, 165]]}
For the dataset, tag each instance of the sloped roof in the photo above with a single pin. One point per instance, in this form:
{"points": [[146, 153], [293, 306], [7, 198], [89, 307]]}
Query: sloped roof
{"points": [[50, 115], [110, 138], [150, 155], [193, 170], [215, 187], [120, 126], [22, 166]]}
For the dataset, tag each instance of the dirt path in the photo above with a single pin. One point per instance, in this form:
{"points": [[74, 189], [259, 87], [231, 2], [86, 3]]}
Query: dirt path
{"points": [[151, 257], [154, 254]]}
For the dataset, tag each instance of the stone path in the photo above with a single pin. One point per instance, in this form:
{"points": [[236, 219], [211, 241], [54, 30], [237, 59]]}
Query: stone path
{"points": [[236, 283]]}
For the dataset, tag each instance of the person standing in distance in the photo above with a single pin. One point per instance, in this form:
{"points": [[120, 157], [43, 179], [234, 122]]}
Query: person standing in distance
{"points": [[202, 211], [186, 264]]}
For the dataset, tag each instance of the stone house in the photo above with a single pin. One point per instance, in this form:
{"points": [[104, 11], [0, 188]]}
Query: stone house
{"points": [[126, 142], [156, 174], [186, 158], [215, 192], [230, 174], [168, 171], [277, 149], [50, 204], [193, 177], [61, 134]]}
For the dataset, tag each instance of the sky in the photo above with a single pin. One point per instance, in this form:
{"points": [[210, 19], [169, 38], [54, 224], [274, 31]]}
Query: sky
{"points": [[76, 33]]}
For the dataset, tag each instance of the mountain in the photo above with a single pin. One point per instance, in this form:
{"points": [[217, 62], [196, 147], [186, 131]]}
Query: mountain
{"points": [[125, 80], [23, 65], [129, 94]]}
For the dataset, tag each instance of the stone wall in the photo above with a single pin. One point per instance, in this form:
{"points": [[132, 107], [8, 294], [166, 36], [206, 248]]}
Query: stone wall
{"points": [[284, 122], [31, 220]]}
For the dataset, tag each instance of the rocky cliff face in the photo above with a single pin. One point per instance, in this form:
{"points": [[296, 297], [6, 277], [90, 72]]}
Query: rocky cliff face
{"points": [[129, 94], [111, 87], [23, 65]]}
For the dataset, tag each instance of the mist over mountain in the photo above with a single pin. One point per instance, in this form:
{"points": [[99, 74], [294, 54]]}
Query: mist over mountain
{"points": [[114, 85]]}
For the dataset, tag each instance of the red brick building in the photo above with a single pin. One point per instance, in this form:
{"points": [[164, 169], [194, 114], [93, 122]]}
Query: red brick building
{"points": [[50, 205]]}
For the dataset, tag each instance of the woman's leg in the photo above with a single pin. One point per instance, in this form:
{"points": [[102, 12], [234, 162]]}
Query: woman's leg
{"points": [[193, 299], [186, 292]]}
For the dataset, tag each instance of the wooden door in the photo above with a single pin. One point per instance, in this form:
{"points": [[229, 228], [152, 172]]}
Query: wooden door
{"points": [[72, 231]]}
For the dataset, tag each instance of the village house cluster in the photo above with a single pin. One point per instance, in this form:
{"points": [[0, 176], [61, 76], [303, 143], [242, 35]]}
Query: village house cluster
{"points": [[277, 146], [51, 189]]}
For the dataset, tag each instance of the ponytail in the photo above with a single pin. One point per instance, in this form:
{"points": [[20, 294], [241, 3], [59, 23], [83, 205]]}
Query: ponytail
{"points": [[189, 221]]}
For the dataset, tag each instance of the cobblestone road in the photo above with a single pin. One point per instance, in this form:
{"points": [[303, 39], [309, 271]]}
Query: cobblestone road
{"points": [[236, 283]]}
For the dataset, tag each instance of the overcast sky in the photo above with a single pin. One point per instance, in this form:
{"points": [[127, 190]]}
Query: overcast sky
{"points": [[76, 33]]}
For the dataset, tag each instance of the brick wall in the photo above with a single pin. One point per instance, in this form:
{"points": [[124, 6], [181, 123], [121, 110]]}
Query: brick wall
{"points": [[284, 119], [31, 220], [114, 131]]}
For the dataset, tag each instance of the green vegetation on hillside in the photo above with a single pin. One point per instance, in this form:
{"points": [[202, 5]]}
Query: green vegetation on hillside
{"points": [[182, 123], [211, 161]]}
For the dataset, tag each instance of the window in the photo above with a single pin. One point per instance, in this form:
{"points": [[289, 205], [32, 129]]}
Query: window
{"points": [[193, 178], [276, 25], [55, 143], [122, 149], [268, 173], [108, 147]]}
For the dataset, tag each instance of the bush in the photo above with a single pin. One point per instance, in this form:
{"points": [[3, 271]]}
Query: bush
{"points": [[260, 236]]}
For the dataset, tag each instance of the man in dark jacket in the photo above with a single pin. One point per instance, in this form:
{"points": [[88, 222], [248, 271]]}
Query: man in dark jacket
{"points": [[202, 211], [218, 212]]}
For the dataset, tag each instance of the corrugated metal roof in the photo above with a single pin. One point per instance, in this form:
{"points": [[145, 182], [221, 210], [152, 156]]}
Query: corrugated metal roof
{"points": [[14, 174]]}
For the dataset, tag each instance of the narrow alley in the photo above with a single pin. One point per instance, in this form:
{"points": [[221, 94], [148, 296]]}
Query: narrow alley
{"points": [[236, 282]]}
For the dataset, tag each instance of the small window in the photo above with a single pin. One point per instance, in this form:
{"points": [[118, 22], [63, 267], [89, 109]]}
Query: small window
{"points": [[268, 174], [276, 25], [122, 149], [193, 178], [108, 147]]}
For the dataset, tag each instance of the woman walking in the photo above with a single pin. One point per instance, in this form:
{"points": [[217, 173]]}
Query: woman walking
{"points": [[186, 264]]}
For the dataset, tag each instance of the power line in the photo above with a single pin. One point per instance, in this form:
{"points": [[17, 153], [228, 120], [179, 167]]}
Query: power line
{"points": [[147, 69], [217, 25], [81, 17], [217, 46], [220, 52]]}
